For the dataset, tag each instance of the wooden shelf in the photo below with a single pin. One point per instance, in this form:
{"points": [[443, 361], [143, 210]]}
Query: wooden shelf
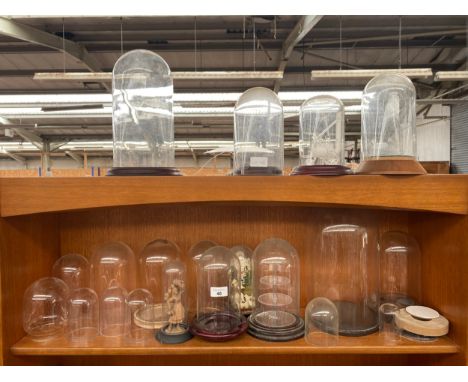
{"points": [[244, 345], [436, 193]]}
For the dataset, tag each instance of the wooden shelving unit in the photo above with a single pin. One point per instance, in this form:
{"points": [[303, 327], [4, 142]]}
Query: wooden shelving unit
{"points": [[44, 218]]}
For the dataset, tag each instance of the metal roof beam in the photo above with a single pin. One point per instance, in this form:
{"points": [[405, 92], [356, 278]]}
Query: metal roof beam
{"points": [[35, 139], [75, 156], [302, 28]]}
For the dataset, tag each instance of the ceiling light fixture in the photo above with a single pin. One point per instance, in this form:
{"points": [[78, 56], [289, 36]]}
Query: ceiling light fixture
{"points": [[196, 75], [461, 75], [370, 73]]}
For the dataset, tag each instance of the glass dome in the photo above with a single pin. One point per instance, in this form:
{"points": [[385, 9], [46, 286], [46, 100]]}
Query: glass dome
{"points": [[258, 133], [347, 274], [73, 269], [400, 269], [175, 284], [45, 308], [276, 288], [321, 137], [244, 254], [388, 331], [197, 250], [113, 264], [83, 316], [321, 322], [218, 296], [142, 117], [388, 136], [114, 312], [137, 300]]}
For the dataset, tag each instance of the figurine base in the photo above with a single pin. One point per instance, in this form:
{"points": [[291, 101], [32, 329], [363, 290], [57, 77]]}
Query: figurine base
{"points": [[219, 326], [167, 338], [276, 334], [321, 170], [143, 171], [356, 320], [398, 165], [258, 171]]}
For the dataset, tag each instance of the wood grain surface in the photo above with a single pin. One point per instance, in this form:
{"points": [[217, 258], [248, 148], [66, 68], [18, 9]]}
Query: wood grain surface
{"points": [[440, 193]]}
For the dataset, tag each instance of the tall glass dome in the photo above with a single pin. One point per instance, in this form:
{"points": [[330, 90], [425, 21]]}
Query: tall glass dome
{"points": [[347, 274], [388, 136], [142, 116], [400, 269], [321, 137], [258, 133], [276, 288], [218, 296]]}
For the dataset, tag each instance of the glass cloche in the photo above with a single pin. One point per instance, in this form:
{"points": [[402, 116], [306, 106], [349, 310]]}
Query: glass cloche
{"points": [[218, 296], [400, 269], [114, 313], [137, 300], [258, 133], [83, 316], [322, 322], [321, 137], [346, 275], [73, 269], [176, 330], [45, 309], [276, 289], [142, 116], [113, 264], [388, 136]]}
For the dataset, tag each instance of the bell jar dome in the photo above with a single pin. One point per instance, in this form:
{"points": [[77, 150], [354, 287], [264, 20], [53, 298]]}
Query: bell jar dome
{"points": [[142, 116], [218, 296], [321, 137], [388, 137], [83, 316], [345, 274], [176, 331], [73, 269], [276, 289], [45, 308], [112, 264], [321, 322], [258, 133], [114, 312], [400, 269]]}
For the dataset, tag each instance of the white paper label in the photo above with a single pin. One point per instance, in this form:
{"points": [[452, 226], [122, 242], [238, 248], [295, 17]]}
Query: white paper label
{"points": [[219, 291], [258, 162]]}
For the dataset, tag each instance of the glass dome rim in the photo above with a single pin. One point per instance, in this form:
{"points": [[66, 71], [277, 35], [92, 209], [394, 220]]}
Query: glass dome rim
{"points": [[324, 96], [375, 81], [146, 51], [250, 90]]}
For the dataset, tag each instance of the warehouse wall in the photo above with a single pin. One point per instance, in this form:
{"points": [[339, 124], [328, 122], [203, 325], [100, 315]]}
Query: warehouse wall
{"points": [[433, 135], [459, 135]]}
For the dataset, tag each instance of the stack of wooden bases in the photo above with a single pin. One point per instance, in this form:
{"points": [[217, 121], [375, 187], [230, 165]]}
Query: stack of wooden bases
{"points": [[421, 323]]}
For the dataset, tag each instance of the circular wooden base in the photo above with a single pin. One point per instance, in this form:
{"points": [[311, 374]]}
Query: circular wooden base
{"points": [[276, 334], [321, 170], [437, 327], [143, 171], [391, 166]]}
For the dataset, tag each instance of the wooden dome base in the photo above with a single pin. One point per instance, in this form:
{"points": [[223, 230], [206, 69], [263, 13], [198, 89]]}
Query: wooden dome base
{"points": [[391, 166]]}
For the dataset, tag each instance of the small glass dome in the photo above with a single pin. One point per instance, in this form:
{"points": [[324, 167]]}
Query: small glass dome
{"points": [[83, 316], [113, 264], [321, 136], [175, 284], [73, 269], [152, 262], [321, 322], [114, 312], [388, 136], [142, 117], [244, 254], [345, 274], [218, 296], [389, 333], [258, 133], [45, 308], [400, 269], [138, 300], [276, 289]]}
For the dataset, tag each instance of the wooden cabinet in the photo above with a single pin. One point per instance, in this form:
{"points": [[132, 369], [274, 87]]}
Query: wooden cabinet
{"points": [[43, 218]]}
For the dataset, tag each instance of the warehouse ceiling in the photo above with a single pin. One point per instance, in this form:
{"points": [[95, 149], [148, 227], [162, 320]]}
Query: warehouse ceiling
{"points": [[223, 43]]}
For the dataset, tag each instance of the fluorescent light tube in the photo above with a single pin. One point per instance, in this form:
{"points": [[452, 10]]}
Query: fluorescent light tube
{"points": [[364, 73]]}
